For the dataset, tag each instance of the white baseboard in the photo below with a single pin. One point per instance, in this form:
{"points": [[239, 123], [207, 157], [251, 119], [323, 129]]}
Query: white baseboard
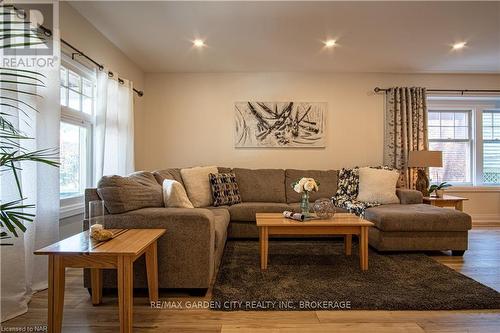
{"points": [[485, 220]]}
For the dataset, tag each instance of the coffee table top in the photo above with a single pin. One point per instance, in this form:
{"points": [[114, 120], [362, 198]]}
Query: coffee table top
{"points": [[339, 219], [125, 242]]}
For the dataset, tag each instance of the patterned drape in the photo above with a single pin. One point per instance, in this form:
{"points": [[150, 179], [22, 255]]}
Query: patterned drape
{"points": [[405, 129]]}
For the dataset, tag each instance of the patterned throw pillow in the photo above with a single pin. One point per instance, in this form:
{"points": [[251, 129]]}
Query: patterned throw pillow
{"points": [[224, 189]]}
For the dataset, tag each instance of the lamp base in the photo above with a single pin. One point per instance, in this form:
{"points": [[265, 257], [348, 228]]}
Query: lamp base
{"points": [[422, 183]]}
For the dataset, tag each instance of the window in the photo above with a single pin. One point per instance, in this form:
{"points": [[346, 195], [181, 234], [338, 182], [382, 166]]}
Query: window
{"points": [[77, 109], [467, 131], [449, 132], [491, 147]]}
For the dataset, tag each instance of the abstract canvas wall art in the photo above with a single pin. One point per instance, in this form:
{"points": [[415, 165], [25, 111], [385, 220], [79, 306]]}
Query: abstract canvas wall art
{"points": [[280, 124]]}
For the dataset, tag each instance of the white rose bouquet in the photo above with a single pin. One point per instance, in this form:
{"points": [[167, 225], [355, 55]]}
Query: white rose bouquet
{"points": [[305, 185]]}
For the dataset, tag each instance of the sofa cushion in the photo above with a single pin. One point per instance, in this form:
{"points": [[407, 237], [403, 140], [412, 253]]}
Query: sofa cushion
{"points": [[172, 173], [197, 184], [221, 223], [377, 185], [222, 218], [418, 217], [327, 180], [246, 211], [174, 195], [225, 189], [407, 196], [221, 211], [261, 185], [123, 194]]}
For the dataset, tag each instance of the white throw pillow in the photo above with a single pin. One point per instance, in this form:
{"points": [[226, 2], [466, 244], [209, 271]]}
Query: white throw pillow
{"points": [[174, 195], [378, 185], [197, 185]]}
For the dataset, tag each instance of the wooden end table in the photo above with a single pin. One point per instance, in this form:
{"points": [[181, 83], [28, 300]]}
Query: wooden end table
{"points": [[446, 201], [341, 224], [81, 251]]}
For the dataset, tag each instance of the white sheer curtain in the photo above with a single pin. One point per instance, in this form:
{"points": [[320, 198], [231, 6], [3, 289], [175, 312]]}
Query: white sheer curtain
{"points": [[22, 273], [114, 129]]}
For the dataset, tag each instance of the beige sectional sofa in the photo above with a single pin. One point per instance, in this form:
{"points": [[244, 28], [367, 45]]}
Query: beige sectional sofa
{"points": [[191, 249]]}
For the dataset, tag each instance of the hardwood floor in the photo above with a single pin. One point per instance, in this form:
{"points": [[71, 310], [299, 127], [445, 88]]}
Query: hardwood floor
{"points": [[481, 262]]}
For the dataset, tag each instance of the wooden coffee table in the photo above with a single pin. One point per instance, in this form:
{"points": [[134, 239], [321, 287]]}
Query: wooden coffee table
{"points": [[341, 224], [119, 253]]}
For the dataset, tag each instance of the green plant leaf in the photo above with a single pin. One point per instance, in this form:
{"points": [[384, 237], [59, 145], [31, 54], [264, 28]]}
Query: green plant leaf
{"points": [[22, 76], [21, 92], [18, 101], [12, 216], [11, 46], [30, 35], [21, 71], [22, 83]]}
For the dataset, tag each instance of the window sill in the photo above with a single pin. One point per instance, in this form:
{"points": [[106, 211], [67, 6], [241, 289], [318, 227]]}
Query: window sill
{"points": [[457, 189], [70, 207]]}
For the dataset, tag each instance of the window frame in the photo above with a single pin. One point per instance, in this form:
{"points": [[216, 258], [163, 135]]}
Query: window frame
{"points": [[75, 205], [470, 139], [477, 105], [493, 109]]}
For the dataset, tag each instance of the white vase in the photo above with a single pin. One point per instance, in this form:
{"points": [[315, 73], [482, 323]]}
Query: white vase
{"points": [[440, 193]]}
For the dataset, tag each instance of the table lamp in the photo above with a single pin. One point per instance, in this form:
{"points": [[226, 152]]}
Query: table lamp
{"points": [[422, 159]]}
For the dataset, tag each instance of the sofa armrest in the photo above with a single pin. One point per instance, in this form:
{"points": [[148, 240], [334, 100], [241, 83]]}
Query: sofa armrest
{"points": [[185, 251], [409, 196]]}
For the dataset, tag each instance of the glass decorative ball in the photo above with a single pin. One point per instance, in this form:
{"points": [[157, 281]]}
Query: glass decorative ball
{"points": [[324, 208]]}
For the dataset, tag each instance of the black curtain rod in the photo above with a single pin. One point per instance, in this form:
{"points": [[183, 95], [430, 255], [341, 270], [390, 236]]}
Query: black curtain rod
{"points": [[462, 91], [48, 32], [98, 65]]}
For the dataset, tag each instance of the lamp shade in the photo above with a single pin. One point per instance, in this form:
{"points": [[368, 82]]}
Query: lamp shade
{"points": [[425, 158]]}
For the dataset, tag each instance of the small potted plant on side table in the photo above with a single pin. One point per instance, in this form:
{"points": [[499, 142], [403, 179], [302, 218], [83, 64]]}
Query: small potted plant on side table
{"points": [[438, 190]]}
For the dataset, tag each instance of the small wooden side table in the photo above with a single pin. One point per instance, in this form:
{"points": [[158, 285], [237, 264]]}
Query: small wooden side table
{"points": [[81, 251], [446, 201]]}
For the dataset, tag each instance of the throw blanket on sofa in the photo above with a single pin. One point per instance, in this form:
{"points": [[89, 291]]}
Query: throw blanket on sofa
{"points": [[347, 192]]}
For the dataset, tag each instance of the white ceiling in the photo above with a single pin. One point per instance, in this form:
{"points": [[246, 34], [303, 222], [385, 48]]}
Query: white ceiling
{"points": [[393, 37]]}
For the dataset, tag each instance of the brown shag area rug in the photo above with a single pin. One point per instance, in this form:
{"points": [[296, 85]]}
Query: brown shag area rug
{"points": [[316, 275]]}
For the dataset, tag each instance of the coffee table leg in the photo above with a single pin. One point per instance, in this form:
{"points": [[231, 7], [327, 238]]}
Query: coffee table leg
{"points": [[96, 284], [56, 293], [152, 272], [264, 247], [347, 244], [125, 290], [363, 248]]}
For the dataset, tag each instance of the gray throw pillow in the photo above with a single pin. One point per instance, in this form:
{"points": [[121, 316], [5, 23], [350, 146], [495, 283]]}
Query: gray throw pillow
{"points": [[123, 194]]}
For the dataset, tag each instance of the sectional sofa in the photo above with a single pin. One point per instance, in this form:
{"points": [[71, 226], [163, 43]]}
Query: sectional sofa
{"points": [[192, 248]]}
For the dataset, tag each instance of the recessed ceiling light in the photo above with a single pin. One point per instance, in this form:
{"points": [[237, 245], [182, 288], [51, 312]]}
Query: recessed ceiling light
{"points": [[330, 43], [458, 46], [198, 43]]}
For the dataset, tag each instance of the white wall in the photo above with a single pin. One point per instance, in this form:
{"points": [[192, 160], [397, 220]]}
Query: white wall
{"points": [[188, 119]]}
